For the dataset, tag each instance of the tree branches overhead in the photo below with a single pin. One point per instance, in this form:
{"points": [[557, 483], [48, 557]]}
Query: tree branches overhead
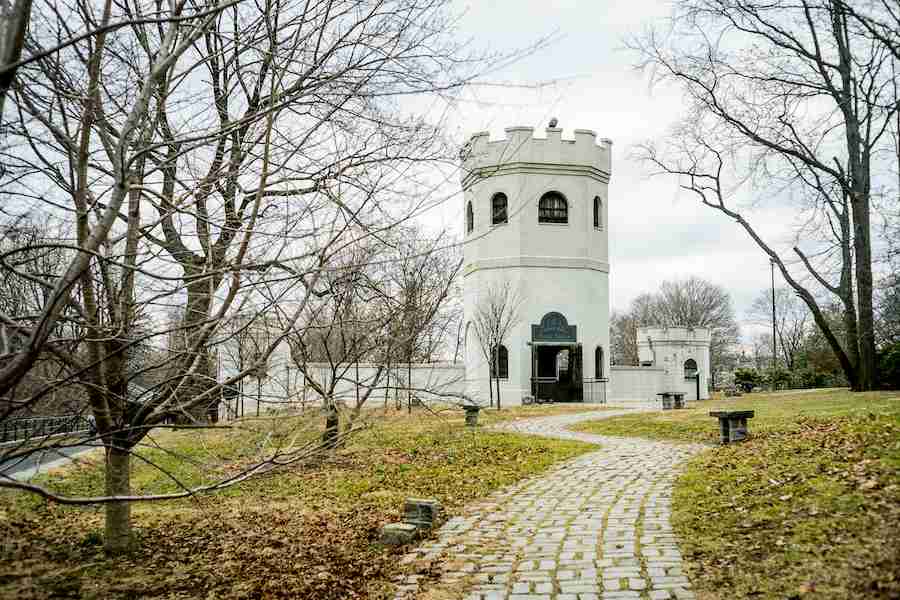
{"points": [[794, 104], [213, 169]]}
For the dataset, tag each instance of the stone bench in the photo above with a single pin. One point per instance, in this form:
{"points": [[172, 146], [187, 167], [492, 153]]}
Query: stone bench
{"points": [[666, 399], [732, 424], [671, 400]]}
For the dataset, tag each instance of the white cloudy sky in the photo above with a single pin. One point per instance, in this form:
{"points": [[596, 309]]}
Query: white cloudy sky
{"points": [[656, 233]]}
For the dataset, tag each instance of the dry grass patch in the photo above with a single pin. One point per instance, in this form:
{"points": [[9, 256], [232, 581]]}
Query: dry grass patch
{"points": [[308, 531], [809, 507]]}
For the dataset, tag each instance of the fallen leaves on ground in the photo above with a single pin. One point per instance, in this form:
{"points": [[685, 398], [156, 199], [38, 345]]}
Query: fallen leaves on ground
{"points": [[309, 531], [807, 511]]}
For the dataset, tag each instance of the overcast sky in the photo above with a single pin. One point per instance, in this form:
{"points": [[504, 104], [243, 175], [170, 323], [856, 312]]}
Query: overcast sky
{"points": [[655, 231]]}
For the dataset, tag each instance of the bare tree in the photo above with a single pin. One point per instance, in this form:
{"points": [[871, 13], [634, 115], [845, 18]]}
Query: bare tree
{"points": [[691, 302], [623, 337], [380, 304], [795, 97], [792, 321], [202, 171], [497, 311]]}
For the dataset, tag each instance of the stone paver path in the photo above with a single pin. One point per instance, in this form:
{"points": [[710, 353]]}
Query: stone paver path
{"points": [[594, 528]]}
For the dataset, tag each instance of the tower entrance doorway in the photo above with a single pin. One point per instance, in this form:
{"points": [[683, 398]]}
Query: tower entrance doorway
{"points": [[556, 372]]}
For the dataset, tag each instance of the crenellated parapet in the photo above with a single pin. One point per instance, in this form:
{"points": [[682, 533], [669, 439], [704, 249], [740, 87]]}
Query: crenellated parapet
{"points": [[674, 335], [522, 152]]}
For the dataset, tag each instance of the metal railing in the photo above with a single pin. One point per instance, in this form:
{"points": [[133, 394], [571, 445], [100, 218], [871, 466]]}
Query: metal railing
{"points": [[543, 389], [17, 430], [594, 390]]}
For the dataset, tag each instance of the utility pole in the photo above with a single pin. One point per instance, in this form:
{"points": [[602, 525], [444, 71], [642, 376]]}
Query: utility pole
{"points": [[774, 351]]}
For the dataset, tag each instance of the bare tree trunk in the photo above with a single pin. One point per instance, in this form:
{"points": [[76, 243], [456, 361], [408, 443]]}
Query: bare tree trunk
{"points": [[866, 320], [332, 425], [497, 371], [13, 25], [118, 514], [490, 387]]}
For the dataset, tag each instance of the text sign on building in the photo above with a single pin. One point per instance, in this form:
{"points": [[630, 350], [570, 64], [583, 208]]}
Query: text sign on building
{"points": [[554, 328]]}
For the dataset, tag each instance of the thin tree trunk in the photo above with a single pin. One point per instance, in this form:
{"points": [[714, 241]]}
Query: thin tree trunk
{"points": [[332, 425], [490, 387], [118, 514], [497, 372], [866, 320]]}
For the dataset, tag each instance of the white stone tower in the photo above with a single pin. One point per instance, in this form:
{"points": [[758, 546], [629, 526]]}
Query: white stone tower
{"points": [[535, 212]]}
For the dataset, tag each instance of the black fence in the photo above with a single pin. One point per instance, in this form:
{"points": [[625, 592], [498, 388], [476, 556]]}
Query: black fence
{"points": [[545, 389], [17, 430], [594, 391], [548, 389]]}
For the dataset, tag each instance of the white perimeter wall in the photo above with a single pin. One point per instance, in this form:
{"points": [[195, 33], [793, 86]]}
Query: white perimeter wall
{"points": [[285, 387], [635, 384]]}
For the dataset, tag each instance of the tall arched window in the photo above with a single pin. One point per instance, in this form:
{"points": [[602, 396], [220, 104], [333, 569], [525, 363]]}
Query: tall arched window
{"points": [[498, 208], [598, 363], [690, 368], [553, 208], [470, 218], [598, 212], [500, 357]]}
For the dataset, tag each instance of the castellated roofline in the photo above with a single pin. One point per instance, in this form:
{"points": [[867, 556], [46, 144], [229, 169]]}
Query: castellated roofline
{"points": [[520, 147], [664, 335]]}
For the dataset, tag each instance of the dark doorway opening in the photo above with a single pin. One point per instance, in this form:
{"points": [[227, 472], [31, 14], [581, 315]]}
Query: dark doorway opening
{"points": [[556, 372]]}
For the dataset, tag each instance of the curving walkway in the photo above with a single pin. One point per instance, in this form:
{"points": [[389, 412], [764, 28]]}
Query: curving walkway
{"points": [[594, 528]]}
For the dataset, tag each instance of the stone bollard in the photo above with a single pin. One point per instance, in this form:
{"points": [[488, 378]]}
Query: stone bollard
{"points": [[732, 424], [422, 513], [472, 415], [397, 534]]}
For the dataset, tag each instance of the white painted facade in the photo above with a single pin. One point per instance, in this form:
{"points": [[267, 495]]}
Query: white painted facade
{"points": [[555, 267], [670, 348]]}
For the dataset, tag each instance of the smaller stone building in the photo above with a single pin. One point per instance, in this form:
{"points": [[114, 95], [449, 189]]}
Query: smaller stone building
{"points": [[682, 353]]}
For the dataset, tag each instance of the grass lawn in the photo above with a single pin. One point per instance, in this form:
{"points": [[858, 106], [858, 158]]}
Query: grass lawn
{"points": [[304, 531], [809, 507]]}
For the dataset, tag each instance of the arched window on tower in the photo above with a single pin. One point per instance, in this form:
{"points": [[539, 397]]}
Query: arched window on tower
{"points": [[553, 208], [690, 368], [598, 212], [501, 358], [598, 363], [470, 218], [498, 208]]}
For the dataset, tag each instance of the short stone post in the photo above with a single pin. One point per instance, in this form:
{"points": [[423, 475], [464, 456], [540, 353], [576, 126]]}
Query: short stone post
{"points": [[419, 514], [472, 415], [732, 424], [397, 534], [423, 513]]}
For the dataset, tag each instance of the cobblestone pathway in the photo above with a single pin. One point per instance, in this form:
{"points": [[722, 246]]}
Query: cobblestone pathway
{"points": [[594, 528]]}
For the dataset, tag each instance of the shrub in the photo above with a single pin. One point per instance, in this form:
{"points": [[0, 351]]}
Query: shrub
{"points": [[747, 379], [889, 366]]}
